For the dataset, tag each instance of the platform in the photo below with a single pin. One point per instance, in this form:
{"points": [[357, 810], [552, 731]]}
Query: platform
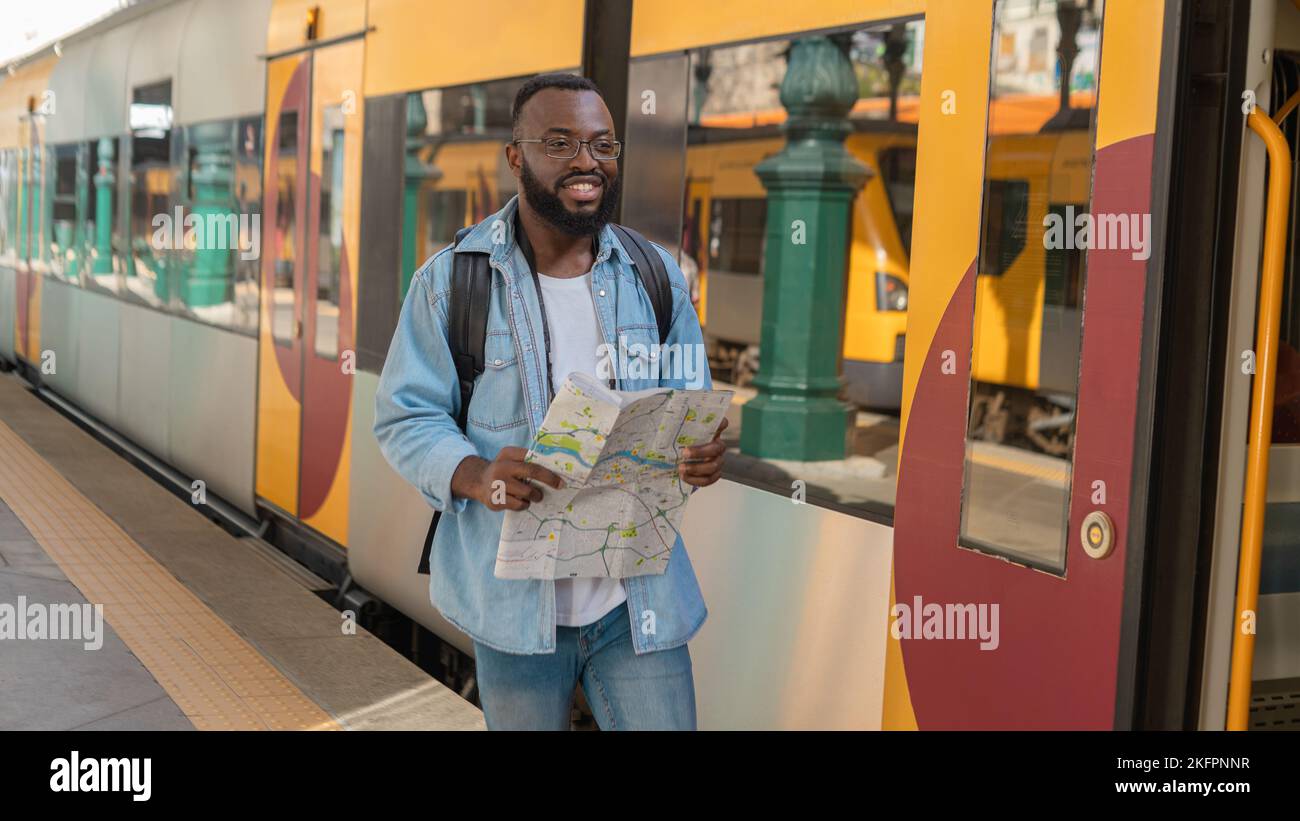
{"points": [[200, 629]]}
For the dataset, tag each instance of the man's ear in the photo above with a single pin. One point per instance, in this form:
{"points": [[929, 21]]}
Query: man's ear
{"points": [[513, 159]]}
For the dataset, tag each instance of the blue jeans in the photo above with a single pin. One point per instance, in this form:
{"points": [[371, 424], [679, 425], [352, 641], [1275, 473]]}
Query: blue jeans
{"points": [[654, 691]]}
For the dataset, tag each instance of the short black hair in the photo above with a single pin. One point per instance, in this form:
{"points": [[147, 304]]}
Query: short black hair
{"points": [[567, 82]]}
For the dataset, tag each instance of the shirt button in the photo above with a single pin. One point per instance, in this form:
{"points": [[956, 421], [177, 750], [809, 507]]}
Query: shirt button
{"points": [[602, 291], [496, 361]]}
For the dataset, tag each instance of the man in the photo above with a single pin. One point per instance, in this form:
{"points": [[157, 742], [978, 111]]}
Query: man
{"points": [[535, 640]]}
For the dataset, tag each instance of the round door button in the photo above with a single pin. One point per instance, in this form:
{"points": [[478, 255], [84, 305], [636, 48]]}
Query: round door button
{"points": [[1098, 535]]}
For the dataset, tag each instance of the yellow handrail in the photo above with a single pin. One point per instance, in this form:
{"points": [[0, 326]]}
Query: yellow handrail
{"points": [[1287, 107], [1261, 415]]}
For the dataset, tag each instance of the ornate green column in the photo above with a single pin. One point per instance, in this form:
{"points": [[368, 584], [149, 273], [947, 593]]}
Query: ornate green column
{"points": [[811, 184], [104, 209], [217, 224], [416, 174]]}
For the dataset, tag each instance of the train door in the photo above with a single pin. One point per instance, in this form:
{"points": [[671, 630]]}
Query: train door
{"points": [[312, 171], [1034, 196]]}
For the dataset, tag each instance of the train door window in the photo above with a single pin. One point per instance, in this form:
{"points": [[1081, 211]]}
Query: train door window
{"points": [[1029, 284], [733, 121], [63, 207], [329, 244], [148, 256], [286, 228]]}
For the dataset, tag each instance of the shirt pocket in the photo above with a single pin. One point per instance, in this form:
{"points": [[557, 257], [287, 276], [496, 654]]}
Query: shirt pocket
{"points": [[637, 366], [498, 401]]}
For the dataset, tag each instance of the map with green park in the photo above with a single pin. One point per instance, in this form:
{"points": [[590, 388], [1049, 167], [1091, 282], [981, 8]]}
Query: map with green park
{"points": [[622, 506]]}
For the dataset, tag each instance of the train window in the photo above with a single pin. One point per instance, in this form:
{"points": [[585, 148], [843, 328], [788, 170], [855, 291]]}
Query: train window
{"points": [[148, 256], [733, 121], [285, 257], [65, 204], [219, 191], [737, 234], [1063, 286], [104, 255], [329, 249], [1005, 225], [456, 173], [445, 216], [898, 171], [1024, 370]]}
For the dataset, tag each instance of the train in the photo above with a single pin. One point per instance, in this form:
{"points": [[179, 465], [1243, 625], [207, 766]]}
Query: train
{"points": [[1070, 444]]}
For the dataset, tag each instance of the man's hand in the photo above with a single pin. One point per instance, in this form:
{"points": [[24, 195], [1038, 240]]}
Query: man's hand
{"points": [[701, 465], [502, 484]]}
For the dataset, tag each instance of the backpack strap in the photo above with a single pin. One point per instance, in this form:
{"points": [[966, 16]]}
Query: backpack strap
{"points": [[471, 288], [654, 276]]}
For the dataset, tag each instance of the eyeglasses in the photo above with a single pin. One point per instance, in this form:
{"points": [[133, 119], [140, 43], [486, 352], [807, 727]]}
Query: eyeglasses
{"points": [[565, 148]]}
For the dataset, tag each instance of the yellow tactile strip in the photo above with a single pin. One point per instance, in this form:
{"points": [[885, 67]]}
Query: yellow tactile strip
{"points": [[217, 679]]}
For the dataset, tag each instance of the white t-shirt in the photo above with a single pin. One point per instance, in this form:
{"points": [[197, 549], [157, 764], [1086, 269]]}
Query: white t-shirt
{"points": [[575, 342]]}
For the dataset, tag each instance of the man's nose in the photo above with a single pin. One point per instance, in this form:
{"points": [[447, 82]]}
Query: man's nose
{"points": [[585, 161]]}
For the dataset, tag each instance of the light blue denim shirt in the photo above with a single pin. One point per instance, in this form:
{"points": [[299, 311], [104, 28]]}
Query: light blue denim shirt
{"points": [[415, 422]]}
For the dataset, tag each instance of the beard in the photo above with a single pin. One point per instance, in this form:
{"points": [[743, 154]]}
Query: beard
{"points": [[548, 205]]}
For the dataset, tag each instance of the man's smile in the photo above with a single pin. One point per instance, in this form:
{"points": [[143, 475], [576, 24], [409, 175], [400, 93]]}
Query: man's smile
{"points": [[582, 190]]}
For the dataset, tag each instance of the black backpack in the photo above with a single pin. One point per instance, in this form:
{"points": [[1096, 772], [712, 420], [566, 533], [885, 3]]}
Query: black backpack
{"points": [[471, 288]]}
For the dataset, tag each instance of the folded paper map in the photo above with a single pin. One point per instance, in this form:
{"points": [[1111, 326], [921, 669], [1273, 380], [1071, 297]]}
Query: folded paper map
{"points": [[622, 504]]}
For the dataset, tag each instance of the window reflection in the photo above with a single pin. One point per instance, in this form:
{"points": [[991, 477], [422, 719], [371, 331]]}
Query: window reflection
{"points": [[1028, 302], [456, 172], [285, 272], [8, 205], [104, 260], [151, 179], [64, 205], [216, 265], [329, 246], [734, 114]]}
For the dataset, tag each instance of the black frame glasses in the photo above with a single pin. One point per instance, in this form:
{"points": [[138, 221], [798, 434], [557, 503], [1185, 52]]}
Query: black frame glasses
{"points": [[550, 152]]}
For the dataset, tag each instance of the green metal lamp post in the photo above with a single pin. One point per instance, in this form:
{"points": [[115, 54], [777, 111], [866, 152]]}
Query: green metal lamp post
{"points": [[104, 209], [811, 184], [216, 227]]}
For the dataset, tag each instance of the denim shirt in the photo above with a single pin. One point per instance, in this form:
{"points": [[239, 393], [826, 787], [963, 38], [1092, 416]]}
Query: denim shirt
{"points": [[416, 407]]}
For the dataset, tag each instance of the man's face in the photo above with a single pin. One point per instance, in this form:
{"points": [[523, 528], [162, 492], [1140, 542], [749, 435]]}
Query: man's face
{"points": [[577, 196]]}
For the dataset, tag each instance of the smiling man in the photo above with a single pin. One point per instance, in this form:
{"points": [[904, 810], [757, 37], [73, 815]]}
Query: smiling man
{"points": [[564, 290]]}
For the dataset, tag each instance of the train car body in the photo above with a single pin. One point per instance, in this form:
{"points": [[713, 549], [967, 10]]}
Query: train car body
{"points": [[360, 135]]}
